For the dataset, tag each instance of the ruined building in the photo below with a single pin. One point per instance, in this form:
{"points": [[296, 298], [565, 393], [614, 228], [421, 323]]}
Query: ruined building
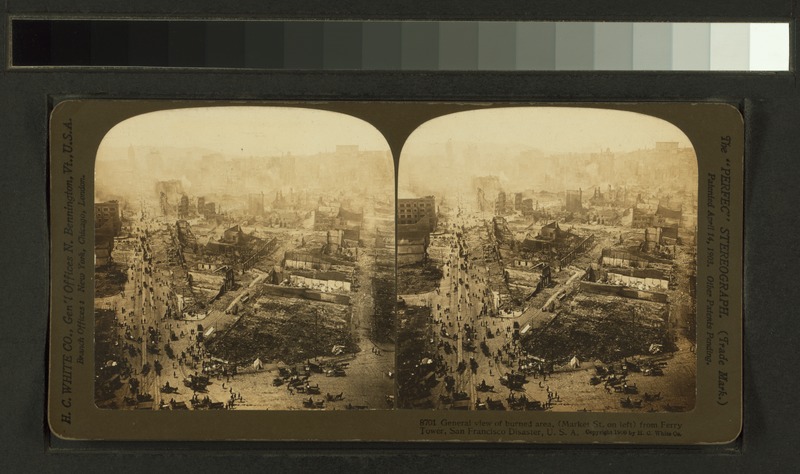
{"points": [[500, 204], [574, 201]]}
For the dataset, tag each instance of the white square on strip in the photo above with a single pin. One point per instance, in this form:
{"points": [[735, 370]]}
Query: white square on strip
{"points": [[769, 46]]}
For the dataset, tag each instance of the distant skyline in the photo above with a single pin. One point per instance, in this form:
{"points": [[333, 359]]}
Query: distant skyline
{"points": [[554, 148], [249, 148], [244, 131]]}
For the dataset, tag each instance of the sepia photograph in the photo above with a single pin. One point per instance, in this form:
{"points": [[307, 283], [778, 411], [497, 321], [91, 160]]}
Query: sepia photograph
{"points": [[547, 261], [408, 271], [244, 260]]}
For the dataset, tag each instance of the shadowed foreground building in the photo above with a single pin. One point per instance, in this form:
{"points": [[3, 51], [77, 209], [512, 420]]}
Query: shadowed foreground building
{"points": [[416, 219], [107, 225]]}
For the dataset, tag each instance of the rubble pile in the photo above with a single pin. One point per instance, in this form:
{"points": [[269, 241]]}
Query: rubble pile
{"points": [[108, 363], [417, 358], [110, 280], [418, 278], [608, 329], [383, 318], [290, 332]]}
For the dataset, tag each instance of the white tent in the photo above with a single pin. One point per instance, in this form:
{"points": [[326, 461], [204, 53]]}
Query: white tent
{"points": [[257, 364], [574, 362]]}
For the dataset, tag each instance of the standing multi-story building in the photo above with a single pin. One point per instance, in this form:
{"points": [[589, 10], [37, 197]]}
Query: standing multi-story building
{"points": [[107, 221], [412, 211]]}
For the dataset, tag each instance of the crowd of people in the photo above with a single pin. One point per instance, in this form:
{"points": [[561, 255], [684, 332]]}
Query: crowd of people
{"points": [[150, 333]]}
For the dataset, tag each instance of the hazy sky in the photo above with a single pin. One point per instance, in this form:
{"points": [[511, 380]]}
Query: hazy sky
{"points": [[549, 129], [493, 141], [243, 131]]}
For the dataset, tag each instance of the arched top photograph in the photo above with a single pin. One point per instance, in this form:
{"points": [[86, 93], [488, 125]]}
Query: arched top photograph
{"points": [[557, 247], [244, 260]]}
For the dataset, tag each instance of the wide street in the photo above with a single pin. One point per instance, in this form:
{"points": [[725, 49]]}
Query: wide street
{"points": [[466, 320], [147, 320], [475, 340]]}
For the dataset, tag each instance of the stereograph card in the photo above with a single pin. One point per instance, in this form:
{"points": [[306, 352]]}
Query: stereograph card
{"points": [[396, 271]]}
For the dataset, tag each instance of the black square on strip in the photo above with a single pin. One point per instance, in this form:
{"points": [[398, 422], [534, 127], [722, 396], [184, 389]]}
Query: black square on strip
{"points": [[30, 41]]}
